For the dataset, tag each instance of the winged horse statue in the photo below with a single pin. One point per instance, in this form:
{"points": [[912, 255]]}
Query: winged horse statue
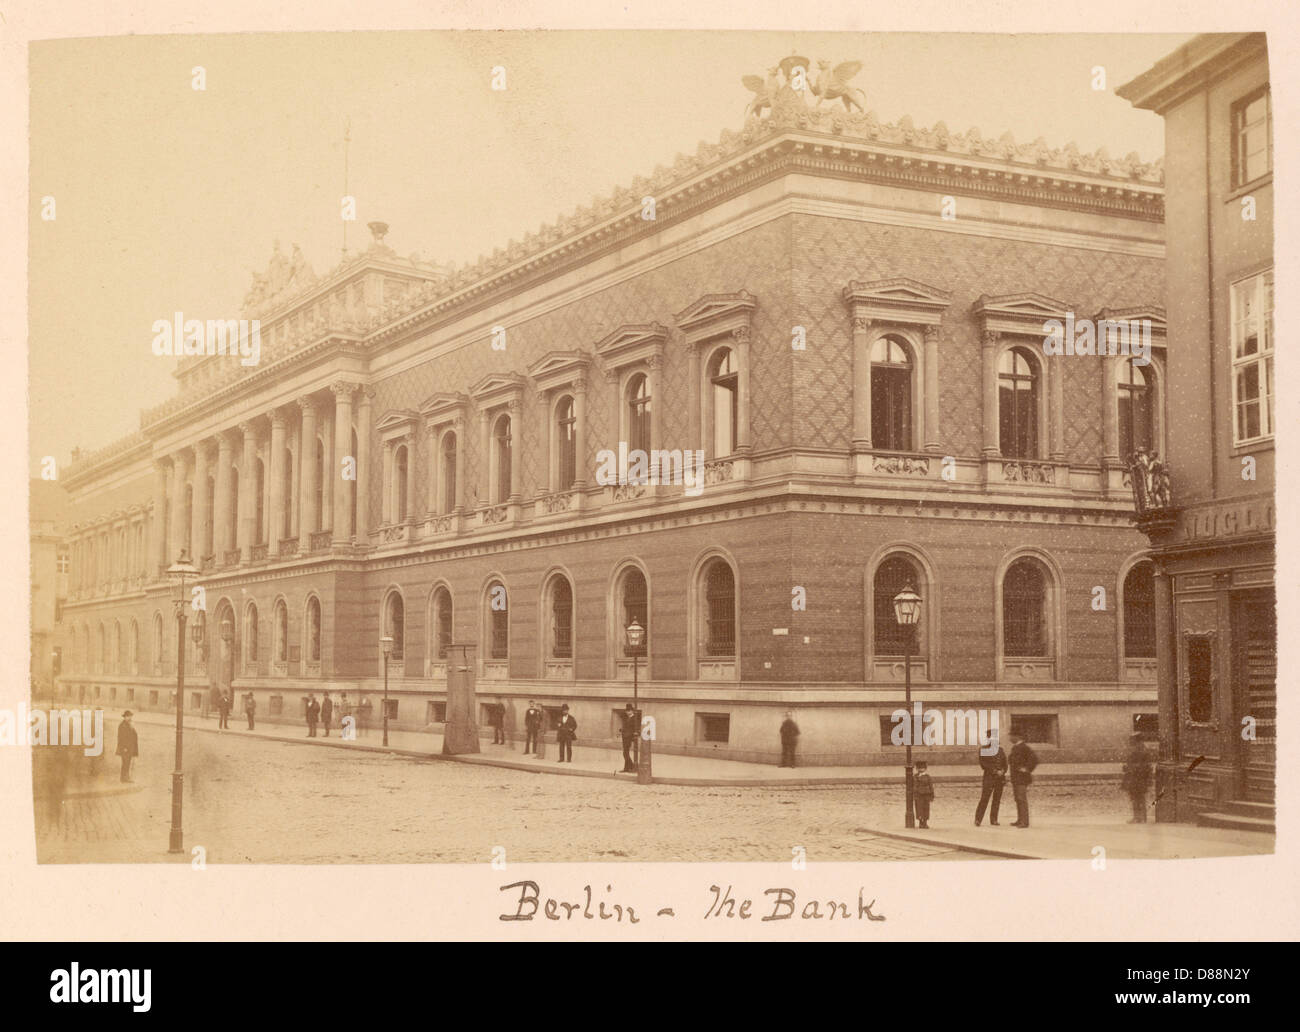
{"points": [[835, 85]]}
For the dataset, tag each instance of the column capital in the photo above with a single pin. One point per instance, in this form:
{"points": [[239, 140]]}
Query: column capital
{"points": [[343, 389], [930, 333], [278, 419], [307, 405], [580, 385], [248, 428], [740, 334], [988, 338], [861, 324]]}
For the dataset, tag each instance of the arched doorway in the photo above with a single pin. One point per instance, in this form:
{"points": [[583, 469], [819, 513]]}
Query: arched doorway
{"points": [[223, 656]]}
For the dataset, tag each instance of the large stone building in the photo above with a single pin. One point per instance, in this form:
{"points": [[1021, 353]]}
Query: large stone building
{"points": [[845, 316], [1212, 533]]}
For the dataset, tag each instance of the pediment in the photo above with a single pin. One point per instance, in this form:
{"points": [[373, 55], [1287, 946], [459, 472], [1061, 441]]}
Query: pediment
{"points": [[715, 314], [897, 300], [445, 405], [559, 367], [396, 421], [1155, 314], [632, 343], [1022, 313], [498, 387]]}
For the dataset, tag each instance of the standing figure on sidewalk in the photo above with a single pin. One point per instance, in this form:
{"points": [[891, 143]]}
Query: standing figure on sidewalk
{"points": [[128, 744], [497, 717], [1022, 760], [789, 739], [326, 711], [223, 708], [345, 711], [629, 731], [250, 708], [313, 714], [922, 793], [364, 708], [565, 733], [532, 728], [995, 776], [1137, 776]]}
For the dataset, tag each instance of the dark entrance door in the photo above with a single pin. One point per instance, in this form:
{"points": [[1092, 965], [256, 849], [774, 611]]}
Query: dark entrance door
{"points": [[1255, 692]]}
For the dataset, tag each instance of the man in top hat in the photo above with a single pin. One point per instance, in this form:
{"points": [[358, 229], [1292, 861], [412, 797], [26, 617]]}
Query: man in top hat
{"points": [[128, 744], [629, 732], [532, 728], [565, 733], [1137, 776], [326, 711], [994, 770], [1022, 760]]}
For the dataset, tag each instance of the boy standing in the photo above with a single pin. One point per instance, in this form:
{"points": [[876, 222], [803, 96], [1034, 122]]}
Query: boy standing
{"points": [[922, 793]]}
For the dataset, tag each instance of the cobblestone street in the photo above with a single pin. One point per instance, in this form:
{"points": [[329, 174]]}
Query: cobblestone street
{"points": [[251, 801]]}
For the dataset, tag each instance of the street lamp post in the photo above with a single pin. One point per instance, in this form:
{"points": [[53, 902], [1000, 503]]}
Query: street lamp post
{"points": [[386, 643], [635, 640], [907, 611], [178, 571]]}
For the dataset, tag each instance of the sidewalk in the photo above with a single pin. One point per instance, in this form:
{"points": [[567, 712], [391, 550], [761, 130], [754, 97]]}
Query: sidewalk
{"points": [[1065, 838], [596, 762]]}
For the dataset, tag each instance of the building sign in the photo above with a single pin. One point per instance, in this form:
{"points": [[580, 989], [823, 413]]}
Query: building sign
{"points": [[1236, 519]]}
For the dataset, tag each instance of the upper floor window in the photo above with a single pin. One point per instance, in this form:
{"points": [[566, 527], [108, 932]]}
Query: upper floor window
{"points": [[400, 500], [1252, 358], [250, 634], [62, 562], [560, 605], [638, 413], [281, 632], [635, 599], [449, 471], [498, 622], [442, 622], [1252, 137], [891, 395], [395, 624], [724, 409], [313, 629], [1136, 410], [1140, 612], [892, 576], [719, 609], [1024, 609], [1018, 404], [566, 444], [502, 454]]}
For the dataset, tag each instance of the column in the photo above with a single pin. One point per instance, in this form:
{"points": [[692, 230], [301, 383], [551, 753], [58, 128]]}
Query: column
{"points": [[247, 493], [307, 459], [989, 363], [180, 473], [1110, 455], [1166, 694], [861, 385], [693, 372], [221, 508], [157, 529], [199, 515], [363, 464], [431, 470], [741, 337], [461, 452], [410, 475], [1056, 411], [386, 507], [329, 471], [548, 478], [342, 447], [580, 434], [294, 434], [485, 457], [276, 528], [516, 452], [932, 437]]}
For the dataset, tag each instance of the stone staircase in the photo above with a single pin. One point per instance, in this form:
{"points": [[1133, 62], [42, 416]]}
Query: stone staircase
{"points": [[1241, 816]]}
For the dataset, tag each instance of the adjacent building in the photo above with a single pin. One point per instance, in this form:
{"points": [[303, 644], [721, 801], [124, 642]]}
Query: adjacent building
{"points": [[842, 318], [1212, 529]]}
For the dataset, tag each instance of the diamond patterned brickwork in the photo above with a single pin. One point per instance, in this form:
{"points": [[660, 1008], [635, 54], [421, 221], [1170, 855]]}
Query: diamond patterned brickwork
{"points": [[830, 252], [756, 261]]}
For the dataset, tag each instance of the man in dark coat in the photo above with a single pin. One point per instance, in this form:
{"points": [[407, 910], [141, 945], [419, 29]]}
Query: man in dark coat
{"points": [[995, 776], [313, 714], [1022, 760], [497, 715], [532, 727], [128, 744], [1137, 776], [565, 733], [789, 739], [223, 709], [629, 732], [326, 711], [250, 709]]}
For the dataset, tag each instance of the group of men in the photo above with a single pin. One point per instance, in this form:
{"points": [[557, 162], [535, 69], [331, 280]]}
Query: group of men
{"points": [[566, 730], [322, 713]]}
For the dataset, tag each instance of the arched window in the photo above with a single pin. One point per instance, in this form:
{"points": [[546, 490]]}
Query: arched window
{"points": [[395, 624], [1024, 609], [259, 508], [719, 609], [440, 621], [449, 471], [400, 463], [281, 632], [566, 444], [724, 409], [158, 644], [1018, 404], [119, 653], [638, 413], [634, 606], [560, 610], [1136, 410], [135, 647], [103, 650], [250, 633], [890, 638], [313, 629], [498, 621], [502, 449], [891, 395], [1140, 612]]}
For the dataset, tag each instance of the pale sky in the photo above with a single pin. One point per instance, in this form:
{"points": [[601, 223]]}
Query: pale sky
{"points": [[168, 198]]}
